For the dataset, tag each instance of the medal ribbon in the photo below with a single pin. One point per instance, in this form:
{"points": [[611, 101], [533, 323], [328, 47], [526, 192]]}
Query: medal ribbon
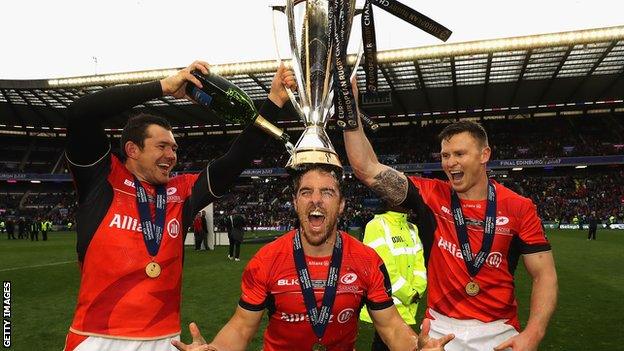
{"points": [[344, 101], [319, 317], [152, 230], [474, 264]]}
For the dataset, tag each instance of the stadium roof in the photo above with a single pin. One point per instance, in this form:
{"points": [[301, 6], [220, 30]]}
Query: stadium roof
{"points": [[509, 77]]}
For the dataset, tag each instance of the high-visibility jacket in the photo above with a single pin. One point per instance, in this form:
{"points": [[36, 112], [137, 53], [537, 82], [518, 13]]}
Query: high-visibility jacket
{"points": [[396, 241], [46, 226]]}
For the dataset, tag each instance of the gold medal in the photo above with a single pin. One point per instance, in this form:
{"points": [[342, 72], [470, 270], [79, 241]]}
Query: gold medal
{"points": [[152, 270], [319, 347], [472, 288]]}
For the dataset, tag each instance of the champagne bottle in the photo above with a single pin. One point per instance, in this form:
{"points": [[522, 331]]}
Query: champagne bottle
{"points": [[230, 103]]}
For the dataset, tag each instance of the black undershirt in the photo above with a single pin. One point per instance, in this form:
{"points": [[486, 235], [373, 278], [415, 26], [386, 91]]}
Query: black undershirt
{"points": [[88, 153]]}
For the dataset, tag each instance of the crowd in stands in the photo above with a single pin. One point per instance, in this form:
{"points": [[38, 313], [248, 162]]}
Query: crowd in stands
{"points": [[510, 139], [267, 201], [562, 198], [559, 198]]}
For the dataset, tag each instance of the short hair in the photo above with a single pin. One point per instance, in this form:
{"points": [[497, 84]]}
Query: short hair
{"points": [[135, 129], [473, 128], [333, 171]]}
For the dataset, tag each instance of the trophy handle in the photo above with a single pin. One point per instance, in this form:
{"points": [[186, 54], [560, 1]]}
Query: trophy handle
{"points": [[296, 59], [291, 95], [358, 59]]}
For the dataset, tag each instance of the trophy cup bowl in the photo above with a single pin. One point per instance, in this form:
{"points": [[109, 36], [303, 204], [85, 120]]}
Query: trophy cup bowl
{"points": [[311, 51]]}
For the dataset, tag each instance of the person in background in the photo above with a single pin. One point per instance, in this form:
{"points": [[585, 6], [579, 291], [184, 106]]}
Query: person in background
{"points": [[396, 241], [236, 235], [593, 226]]}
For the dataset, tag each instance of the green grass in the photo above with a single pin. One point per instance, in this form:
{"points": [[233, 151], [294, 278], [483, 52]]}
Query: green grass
{"points": [[589, 313]]}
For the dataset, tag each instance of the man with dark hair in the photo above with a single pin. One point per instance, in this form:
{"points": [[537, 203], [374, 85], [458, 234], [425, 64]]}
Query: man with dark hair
{"points": [[133, 215], [469, 295], [314, 265]]}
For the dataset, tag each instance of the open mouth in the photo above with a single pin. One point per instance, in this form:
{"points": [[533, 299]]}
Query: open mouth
{"points": [[456, 176], [316, 219], [164, 167]]}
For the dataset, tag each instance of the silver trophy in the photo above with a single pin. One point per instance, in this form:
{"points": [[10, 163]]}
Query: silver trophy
{"points": [[311, 52]]}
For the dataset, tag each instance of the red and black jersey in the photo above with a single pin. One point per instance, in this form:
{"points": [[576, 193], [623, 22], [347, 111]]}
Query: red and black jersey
{"points": [[518, 231], [116, 296], [270, 281]]}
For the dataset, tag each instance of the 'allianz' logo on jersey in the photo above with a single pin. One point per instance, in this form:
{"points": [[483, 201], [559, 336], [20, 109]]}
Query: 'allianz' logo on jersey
{"points": [[343, 316], [125, 222], [493, 260]]}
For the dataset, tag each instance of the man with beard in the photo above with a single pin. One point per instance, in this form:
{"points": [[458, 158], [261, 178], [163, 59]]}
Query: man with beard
{"points": [[133, 215], [469, 214], [315, 265]]}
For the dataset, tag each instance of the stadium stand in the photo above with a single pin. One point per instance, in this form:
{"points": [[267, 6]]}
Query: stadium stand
{"points": [[551, 103]]}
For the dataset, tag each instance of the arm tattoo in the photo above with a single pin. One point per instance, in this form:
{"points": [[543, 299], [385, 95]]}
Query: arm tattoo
{"points": [[391, 186]]}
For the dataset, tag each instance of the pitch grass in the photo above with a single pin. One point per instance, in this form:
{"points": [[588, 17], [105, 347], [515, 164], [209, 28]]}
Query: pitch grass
{"points": [[589, 314]]}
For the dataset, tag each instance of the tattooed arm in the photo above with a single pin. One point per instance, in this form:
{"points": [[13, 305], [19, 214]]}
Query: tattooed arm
{"points": [[388, 183]]}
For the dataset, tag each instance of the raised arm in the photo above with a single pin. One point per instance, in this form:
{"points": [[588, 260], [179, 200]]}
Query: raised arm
{"points": [[388, 183], [225, 170]]}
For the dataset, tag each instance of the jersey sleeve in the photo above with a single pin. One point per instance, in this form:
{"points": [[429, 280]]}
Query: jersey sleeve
{"points": [[89, 180], [379, 293], [416, 188], [532, 236], [254, 285]]}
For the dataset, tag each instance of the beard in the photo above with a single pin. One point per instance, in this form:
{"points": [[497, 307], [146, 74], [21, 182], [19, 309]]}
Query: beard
{"points": [[319, 234]]}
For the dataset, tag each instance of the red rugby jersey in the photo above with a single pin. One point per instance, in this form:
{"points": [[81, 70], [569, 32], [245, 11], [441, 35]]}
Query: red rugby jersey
{"points": [[518, 231], [116, 297], [270, 281]]}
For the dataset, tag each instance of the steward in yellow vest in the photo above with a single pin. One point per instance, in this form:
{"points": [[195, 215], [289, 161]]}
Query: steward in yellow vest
{"points": [[396, 241]]}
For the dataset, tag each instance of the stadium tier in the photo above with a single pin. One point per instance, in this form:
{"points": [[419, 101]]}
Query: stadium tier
{"points": [[551, 103]]}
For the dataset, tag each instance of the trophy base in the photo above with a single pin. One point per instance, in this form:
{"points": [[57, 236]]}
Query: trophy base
{"points": [[303, 158]]}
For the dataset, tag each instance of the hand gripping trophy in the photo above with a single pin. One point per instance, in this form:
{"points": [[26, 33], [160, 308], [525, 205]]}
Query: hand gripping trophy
{"points": [[318, 40]]}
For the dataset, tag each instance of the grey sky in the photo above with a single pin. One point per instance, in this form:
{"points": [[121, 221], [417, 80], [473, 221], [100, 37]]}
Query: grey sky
{"points": [[60, 38]]}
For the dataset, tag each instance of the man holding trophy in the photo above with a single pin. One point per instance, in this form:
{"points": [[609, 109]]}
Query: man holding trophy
{"points": [[315, 279]]}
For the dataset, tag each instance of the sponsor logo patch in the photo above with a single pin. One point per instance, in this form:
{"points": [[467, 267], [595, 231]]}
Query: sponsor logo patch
{"points": [[345, 315], [173, 227]]}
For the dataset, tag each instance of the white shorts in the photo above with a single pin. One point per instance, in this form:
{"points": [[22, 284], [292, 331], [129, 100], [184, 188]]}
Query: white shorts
{"points": [[470, 334], [97, 343]]}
